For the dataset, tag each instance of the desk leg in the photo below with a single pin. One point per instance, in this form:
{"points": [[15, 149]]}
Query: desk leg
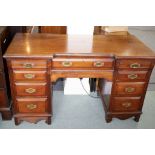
{"points": [[137, 117], [17, 121], [108, 118], [49, 121]]}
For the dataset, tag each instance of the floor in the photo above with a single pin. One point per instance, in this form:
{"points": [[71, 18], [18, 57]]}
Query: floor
{"points": [[84, 112]]}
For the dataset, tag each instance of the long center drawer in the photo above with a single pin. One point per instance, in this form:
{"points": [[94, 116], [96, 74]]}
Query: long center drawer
{"points": [[70, 63]]}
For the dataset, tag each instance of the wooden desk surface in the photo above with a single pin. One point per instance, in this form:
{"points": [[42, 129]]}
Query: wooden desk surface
{"points": [[45, 45]]}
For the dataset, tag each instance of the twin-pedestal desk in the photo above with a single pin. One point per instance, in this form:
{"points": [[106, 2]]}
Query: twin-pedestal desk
{"points": [[36, 61]]}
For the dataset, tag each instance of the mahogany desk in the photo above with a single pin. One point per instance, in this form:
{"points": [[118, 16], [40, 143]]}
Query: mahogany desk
{"points": [[36, 61]]}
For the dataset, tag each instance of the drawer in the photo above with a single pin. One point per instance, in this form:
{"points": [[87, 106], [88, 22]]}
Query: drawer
{"points": [[31, 105], [29, 75], [126, 104], [133, 64], [129, 88], [1, 80], [31, 89], [131, 75], [3, 99], [28, 64], [82, 63]]}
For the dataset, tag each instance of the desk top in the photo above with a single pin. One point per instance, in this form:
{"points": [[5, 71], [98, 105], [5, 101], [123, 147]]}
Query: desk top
{"points": [[46, 45]]}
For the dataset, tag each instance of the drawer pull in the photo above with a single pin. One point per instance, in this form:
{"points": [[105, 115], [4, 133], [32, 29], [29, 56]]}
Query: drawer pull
{"points": [[132, 76], [30, 90], [129, 89], [29, 76], [98, 64], [31, 106], [126, 105], [67, 64], [28, 65], [135, 65]]}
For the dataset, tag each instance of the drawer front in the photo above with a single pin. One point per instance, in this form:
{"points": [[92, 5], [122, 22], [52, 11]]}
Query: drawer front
{"points": [[133, 64], [3, 99], [126, 104], [29, 75], [84, 63], [129, 88], [1, 80], [28, 64], [131, 75], [31, 105], [31, 89]]}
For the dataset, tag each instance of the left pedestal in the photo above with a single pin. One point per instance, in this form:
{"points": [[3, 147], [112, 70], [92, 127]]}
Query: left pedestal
{"points": [[31, 90]]}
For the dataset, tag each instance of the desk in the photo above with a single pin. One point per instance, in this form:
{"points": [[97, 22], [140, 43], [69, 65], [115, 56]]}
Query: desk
{"points": [[36, 61]]}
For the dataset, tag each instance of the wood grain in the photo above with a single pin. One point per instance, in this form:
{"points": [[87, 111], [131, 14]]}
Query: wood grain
{"points": [[46, 45], [50, 57]]}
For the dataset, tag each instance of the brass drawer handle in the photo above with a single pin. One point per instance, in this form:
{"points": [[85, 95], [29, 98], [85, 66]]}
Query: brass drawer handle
{"points": [[28, 65], [31, 106], [132, 76], [135, 65], [30, 90], [67, 63], [129, 89], [126, 104], [98, 64], [29, 76]]}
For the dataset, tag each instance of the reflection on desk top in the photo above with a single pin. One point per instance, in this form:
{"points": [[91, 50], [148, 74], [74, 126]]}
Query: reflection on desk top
{"points": [[46, 45]]}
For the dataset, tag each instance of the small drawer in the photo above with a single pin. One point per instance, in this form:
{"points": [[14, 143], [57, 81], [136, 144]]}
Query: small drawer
{"points": [[129, 88], [131, 75], [29, 75], [2, 80], [133, 64], [82, 63], [3, 99], [126, 104], [31, 89], [31, 105], [28, 64]]}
